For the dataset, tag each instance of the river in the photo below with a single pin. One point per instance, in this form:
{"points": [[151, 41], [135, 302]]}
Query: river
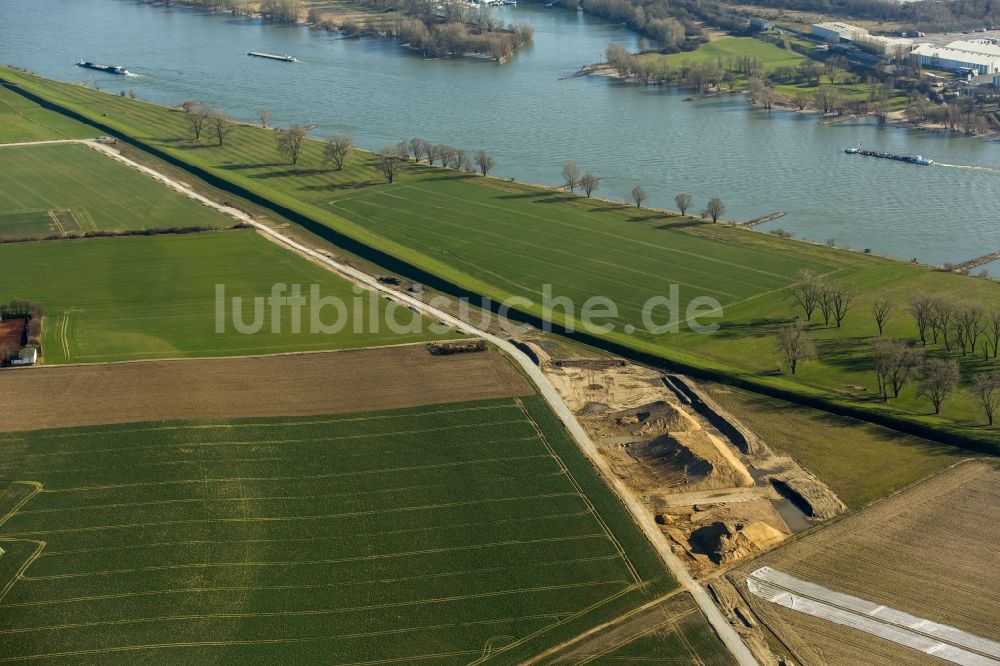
{"points": [[532, 117]]}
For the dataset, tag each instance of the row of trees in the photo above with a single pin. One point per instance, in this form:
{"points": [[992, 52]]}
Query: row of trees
{"points": [[967, 327], [588, 183], [203, 121], [832, 300], [390, 159]]}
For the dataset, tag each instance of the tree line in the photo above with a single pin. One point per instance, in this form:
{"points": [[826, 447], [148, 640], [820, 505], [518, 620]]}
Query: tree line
{"points": [[959, 327], [588, 183]]}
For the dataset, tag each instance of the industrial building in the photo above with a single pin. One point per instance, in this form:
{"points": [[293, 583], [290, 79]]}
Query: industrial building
{"points": [[978, 56], [836, 32]]}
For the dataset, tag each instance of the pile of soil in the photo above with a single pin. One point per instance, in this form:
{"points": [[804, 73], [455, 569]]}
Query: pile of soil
{"points": [[727, 541], [669, 462]]}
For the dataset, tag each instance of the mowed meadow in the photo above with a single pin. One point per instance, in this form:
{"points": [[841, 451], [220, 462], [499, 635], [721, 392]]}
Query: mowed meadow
{"points": [[462, 533], [23, 120], [502, 239]]}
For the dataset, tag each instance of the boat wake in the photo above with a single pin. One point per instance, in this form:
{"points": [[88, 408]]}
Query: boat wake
{"points": [[969, 167]]}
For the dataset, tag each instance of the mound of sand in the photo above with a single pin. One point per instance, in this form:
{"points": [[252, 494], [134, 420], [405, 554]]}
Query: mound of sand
{"points": [[727, 541], [669, 463]]}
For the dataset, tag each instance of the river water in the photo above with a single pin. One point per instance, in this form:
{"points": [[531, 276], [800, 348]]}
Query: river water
{"points": [[532, 118]]}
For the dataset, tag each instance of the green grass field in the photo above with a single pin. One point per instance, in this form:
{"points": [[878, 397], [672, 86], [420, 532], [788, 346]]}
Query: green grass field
{"points": [[465, 533], [730, 48], [503, 239], [67, 189], [23, 120], [112, 299]]}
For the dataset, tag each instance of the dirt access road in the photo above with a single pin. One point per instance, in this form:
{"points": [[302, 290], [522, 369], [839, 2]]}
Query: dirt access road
{"points": [[642, 517]]}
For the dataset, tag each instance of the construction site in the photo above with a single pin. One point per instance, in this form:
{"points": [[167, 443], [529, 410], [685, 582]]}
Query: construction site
{"points": [[716, 489]]}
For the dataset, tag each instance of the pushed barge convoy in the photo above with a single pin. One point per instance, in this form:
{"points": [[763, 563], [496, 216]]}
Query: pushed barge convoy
{"points": [[909, 159], [110, 69], [272, 56]]}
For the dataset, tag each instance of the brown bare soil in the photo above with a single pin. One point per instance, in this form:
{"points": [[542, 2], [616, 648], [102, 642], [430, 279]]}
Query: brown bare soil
{"points": [[929, 551], [283, 385], [11, 334]]}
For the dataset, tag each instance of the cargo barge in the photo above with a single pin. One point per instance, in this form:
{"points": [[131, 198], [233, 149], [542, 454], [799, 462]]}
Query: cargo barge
{"points": [[272, 56], [909, 159], [110, 69]]}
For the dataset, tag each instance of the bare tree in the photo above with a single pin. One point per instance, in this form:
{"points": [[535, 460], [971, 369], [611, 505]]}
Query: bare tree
{"points": [[922, 309], [198, 117], [938, 378], [446, 154], [417, 148], [881, 309], [806, 291], [221, 125], [826, 302], [484, 162], [841, 299], [337, 148], [403, 150], [942, 316], [458, 159], [431, 150], [986, 390], [264, 116], [589, 183], [968, 327], [290, 142], [715, 209], [795, 346], [991, 335], [389, 162], [683, 202], [427, 150], [442, 150], [571, 175], [882, 364], [638, 196], [904, 361]]}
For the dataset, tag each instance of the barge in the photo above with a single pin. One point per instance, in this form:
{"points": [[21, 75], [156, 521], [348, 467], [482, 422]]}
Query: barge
{"points": [[110, 69], [909, 159], [272, 56]]}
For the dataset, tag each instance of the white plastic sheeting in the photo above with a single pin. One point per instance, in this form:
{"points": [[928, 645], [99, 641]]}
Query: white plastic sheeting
{"points": [[939, 640]]}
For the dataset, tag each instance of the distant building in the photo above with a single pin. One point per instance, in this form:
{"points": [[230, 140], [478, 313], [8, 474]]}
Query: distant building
{"points": [[760, 25], [27, 356], [836, 32], [978, 57]]}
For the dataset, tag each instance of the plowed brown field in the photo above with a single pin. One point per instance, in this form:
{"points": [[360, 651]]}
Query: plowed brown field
{"points": [[284, 385]]}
